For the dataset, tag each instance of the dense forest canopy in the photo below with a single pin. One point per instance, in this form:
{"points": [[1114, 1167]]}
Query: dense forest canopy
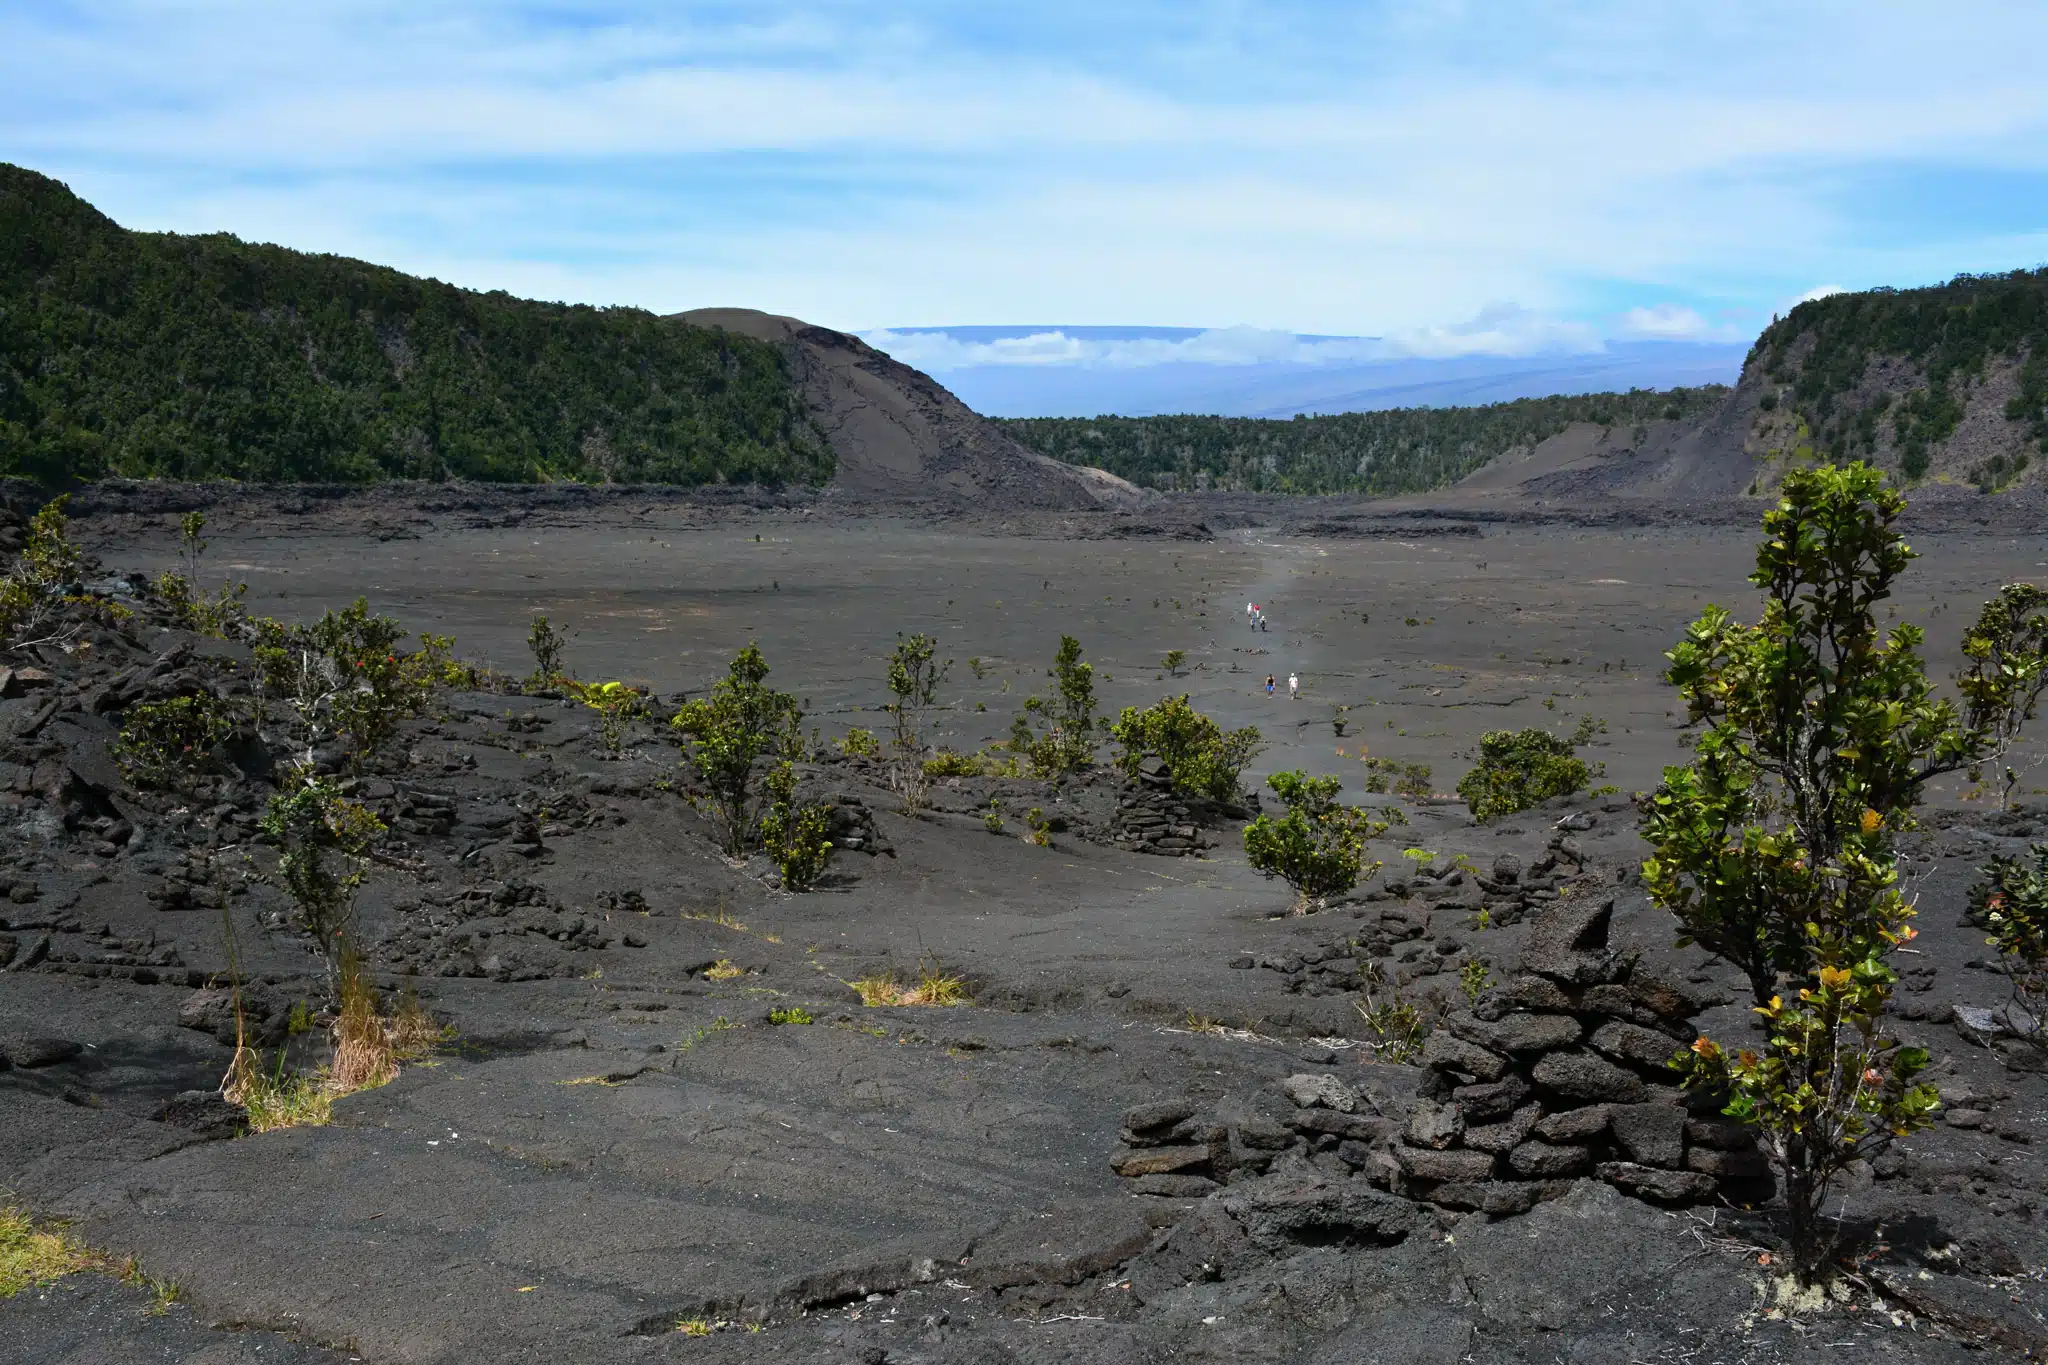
{"points": [[1823, 349], [1403, 450], [160, 355]]}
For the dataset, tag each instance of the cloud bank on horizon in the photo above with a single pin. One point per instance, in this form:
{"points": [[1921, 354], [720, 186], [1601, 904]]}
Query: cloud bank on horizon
{"points": [[1339, 183]]}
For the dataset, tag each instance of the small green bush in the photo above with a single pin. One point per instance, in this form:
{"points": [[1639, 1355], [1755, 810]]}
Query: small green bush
{"points": [[794, 835], [792, 1014], [1318, 847], [166, 744], [859, 743], [1403, 779], [1518, 769], [1199, 756], [545, 643], [33, 589], [727, 733], [2011, 900]]}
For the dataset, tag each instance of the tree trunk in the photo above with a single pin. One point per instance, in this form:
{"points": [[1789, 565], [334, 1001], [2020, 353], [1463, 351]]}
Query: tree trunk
{"points": [[1800, 1196]]}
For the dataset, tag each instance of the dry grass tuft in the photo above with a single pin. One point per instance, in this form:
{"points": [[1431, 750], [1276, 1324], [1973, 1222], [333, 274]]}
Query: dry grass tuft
{"points": [[933, 988], [413, 1032], [725, 970], [363, 1053]]}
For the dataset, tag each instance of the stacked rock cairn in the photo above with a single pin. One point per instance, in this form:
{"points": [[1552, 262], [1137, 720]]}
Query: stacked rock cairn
{"points": [[1151, 817], [1563, 1072]]}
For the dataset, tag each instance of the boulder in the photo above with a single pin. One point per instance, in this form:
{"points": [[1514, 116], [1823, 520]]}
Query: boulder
{"points": [[1650, 1134], [1517, 1032], [1635, 1044], [1435, 1125], [1422, 1163], [1157, 1116], [1447, 1052], [1573, 1125], [1662, 1187], [1728, 1165], [1497, 1198], [1506, 1135], [1493, 1100], [1541, 1160], [1584, 1076], [1158, 1160], [1311, 1090]]}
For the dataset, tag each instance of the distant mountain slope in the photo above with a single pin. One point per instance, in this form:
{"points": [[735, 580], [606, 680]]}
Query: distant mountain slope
{"points": [[1407, 450], [896, 432], [151, 354], [1949, 381]]}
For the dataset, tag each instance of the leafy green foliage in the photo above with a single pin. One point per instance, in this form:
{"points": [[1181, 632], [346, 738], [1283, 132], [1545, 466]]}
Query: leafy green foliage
{"points": [[345, 676], [322, 839], [615, 703], [1174, 661], [914, 677], [34, 587], [1405, 450], [793, 835], [859, 743], [1318, 847], [167, 744], [158, 355], [1062, 740], [1201, 759], [1775, 846], [1518, 769], [724, 735], [545, 643], [1950, 329], [2011, 899], [1403, 779], [2007, 650]]}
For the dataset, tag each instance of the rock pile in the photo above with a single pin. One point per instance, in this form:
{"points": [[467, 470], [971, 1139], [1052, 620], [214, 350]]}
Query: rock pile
{"points": [[1562, 1073], [1151, 817], [1176, 1148]]}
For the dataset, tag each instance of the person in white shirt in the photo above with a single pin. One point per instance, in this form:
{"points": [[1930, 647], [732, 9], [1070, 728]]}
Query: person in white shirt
{"points": [[1293, 686]]}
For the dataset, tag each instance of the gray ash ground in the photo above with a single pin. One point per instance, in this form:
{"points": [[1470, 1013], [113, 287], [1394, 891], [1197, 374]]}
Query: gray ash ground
{"points": [[619, 1141]]}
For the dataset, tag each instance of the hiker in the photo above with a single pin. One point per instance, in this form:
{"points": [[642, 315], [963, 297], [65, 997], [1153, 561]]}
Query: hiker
{"points": [[1262, 623], [1269, 684], [1251, 615], [1293, 686]]}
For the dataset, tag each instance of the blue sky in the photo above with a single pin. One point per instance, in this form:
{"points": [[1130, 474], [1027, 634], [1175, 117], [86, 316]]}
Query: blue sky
{"points": [[1451, 178]]}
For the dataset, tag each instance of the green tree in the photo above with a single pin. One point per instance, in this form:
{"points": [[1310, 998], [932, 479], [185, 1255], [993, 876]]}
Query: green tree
{"points": [[914, 677], [1199, 756], [741, 723], [1318, 847], [322, 841], [1062, 741], [1774, 847]]}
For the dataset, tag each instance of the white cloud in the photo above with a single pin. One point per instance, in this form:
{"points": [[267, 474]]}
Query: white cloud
{"points": [[1672, 322], [1351, 169], [1503, 329]]}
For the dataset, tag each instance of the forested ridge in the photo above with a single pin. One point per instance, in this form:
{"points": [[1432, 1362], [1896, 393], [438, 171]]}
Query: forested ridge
{"points": [[1402, 450], [1821, 352], [199, 357]]}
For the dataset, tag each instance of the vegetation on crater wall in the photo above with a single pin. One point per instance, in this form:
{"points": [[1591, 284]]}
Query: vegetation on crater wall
{"points": [[1404, 450], [205, 357]]}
